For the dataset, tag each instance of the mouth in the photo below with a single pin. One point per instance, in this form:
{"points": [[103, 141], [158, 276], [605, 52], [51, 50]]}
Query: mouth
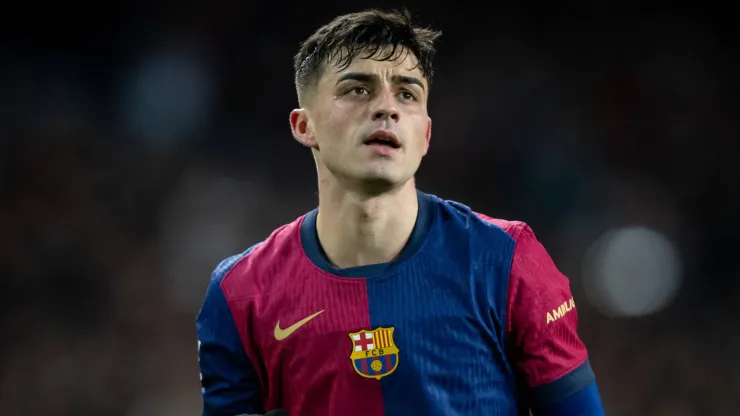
{"points": [[383, 138]]}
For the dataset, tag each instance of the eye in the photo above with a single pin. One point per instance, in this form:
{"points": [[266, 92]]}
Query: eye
{"points": [[358, 91], [408, 95]]}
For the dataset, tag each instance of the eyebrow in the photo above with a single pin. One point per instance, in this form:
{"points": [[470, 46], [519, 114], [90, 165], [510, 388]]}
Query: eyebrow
{"points": [[364, 77]]}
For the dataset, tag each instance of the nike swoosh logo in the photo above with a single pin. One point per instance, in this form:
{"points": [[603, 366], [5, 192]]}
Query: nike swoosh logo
{"points": [[281, 334]]}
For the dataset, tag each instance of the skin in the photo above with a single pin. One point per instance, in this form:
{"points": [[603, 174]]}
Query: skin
{"points": [[367, 196]]}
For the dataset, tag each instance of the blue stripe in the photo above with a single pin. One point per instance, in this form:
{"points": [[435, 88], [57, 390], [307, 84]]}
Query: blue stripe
{"points": [[563, 387], [585, 402], [451, 359]]}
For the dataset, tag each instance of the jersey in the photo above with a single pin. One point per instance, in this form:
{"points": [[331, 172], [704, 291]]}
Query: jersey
{"points": [[473, 318]]}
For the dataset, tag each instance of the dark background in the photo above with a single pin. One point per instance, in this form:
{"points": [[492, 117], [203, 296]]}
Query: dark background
{"points": [[140, 144]]}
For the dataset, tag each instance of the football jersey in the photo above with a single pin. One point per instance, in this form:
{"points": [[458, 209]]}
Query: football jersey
{"points": [[472, 318]]}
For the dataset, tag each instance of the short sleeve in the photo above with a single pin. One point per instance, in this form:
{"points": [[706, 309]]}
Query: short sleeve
{"points": [[229, 384], [543, 344]]}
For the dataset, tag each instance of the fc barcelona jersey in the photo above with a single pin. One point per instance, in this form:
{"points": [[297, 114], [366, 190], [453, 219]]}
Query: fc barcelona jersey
{"points": [[473, 318]]}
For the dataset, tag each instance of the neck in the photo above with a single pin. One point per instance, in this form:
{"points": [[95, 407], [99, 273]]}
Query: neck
{"points": [[359, 230]]}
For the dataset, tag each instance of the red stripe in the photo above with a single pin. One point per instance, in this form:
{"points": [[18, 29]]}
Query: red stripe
{"points": [[346, 309]]}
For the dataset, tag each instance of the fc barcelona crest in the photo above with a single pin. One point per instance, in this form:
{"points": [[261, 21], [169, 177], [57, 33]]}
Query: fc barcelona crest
{"points": [[374, 354]]}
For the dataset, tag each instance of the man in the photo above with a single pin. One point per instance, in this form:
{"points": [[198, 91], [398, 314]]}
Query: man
{"points": [[386, 300]]}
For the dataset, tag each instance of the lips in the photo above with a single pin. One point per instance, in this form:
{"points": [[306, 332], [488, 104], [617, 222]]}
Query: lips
{"points": [[383, 138]]}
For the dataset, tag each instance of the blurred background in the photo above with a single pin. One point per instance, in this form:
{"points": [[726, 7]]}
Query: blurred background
{"points": [[142, 144]]}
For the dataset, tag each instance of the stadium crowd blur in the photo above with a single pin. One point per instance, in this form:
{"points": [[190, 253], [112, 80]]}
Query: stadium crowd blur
{"points": [[138, 151]]}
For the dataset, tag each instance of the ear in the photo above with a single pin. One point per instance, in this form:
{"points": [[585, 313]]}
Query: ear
{"points": [[428, 137], [300, 127]]}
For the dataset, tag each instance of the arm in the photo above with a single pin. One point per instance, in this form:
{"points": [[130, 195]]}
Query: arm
{"points": [[229, 383], [543, 344]]}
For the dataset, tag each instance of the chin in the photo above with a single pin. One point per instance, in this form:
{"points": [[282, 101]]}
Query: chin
{"points": [[372, 180], [376, 183], [376, 187]]}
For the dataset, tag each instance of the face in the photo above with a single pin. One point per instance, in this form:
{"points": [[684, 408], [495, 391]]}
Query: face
{"points": [[368, 123]]}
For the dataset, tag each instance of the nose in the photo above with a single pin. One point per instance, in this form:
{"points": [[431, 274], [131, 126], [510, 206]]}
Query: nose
{"points": [[387, 108], [383, 114]]}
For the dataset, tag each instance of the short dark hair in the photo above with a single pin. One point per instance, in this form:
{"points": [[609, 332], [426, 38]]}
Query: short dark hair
{"points": [[377, 34]]}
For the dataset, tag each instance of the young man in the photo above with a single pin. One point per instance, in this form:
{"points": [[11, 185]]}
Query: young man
{"points": [[386, 300]]}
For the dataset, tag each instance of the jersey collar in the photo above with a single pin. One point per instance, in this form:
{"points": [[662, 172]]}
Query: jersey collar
{"points": [[312, 247]]}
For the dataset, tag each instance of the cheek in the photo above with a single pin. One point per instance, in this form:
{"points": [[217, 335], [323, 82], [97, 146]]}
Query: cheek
{"points": [[421, 130], [326, 124], [340, 126], [335, 121], [331, 134]]}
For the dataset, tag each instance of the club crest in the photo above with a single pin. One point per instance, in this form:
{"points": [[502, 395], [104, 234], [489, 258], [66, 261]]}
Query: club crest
{"points": [[374, 354]]}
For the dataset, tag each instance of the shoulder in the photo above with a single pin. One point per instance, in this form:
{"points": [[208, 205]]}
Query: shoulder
{"points": [[257, 270], [531, 266], [515, 229], [474, 221]]}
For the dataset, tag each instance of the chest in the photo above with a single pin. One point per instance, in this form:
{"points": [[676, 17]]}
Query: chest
{"points": [[422, 322]]}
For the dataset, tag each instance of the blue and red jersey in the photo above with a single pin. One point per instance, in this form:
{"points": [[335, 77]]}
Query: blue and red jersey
{"points": [[473, 318]]}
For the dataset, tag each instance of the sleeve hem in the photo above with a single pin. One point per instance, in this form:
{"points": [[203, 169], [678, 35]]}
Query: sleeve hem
{"points": [[564, 386]]}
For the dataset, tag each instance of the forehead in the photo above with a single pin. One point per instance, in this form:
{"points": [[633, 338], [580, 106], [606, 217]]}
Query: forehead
{"points": [[402, 62]]}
